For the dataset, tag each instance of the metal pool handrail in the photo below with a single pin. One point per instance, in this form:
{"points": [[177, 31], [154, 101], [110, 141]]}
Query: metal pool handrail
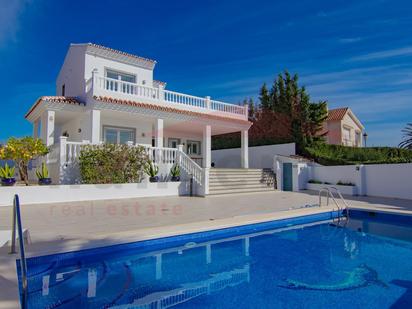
{"points": [[330, 194], [17, 221]]}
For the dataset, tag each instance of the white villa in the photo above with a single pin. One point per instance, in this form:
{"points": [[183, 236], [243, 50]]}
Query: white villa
{"points": [[108, 96]]}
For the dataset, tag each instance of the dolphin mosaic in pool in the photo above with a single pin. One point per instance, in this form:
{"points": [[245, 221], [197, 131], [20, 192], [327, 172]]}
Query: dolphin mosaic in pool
{"points": [[359, 277]]}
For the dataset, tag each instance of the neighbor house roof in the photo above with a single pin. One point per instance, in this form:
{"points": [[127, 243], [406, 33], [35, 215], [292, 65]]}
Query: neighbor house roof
{"points": [[337, 113], [53, 99]]}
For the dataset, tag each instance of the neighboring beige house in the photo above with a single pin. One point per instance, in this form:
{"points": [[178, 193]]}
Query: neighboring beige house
{"points": [[343, 128]]}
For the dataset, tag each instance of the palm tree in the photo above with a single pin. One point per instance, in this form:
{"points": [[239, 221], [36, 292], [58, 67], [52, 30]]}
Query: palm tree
{"points": [[407, 137]]}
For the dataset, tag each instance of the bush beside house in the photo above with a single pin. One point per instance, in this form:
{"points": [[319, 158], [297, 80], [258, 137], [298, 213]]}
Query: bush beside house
{"points": [[110, 163]]}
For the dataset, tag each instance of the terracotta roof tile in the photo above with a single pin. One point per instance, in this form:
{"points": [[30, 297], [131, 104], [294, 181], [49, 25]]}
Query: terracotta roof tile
{"points": [[337, 113], [120, 52], [53, 99], [166, 109]]}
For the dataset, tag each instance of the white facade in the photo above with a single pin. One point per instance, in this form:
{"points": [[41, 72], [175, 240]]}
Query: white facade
{"points": [[108, 96]]}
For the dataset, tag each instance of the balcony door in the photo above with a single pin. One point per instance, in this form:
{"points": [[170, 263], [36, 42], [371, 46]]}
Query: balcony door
{"points": [[114, 76]]}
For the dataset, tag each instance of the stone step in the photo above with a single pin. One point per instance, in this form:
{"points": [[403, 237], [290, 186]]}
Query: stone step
{"points": [[237, 191], [214, 169], [233, 187], [235, 178], [240, 182]]}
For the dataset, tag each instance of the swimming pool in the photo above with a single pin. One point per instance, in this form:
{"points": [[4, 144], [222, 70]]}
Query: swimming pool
{"points": [[290, 263]]}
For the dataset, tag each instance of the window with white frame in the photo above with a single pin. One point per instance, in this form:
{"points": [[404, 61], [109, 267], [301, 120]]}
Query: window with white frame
{"points": [[124, 77], [173, 142], [193, 148], [118, 135], [114, 79], [357, 138], [346, 136]]}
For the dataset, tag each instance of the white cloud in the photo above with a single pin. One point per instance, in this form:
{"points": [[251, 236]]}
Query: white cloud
{"points": [[404, 51], [350, 40], [9, 23]]}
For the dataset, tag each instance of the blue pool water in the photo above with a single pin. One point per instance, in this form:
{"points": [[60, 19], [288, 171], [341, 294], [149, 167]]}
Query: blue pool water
{"points": [[367, 264]]}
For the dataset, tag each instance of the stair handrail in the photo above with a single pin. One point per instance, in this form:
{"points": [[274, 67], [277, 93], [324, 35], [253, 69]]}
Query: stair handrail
{"points": [[17, 224], [190, 166]]}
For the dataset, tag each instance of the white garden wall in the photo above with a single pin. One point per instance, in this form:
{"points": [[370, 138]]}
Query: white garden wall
{"points": [[74, 193], [390, 180], [385, 180], [259, 156], [334, 174]]}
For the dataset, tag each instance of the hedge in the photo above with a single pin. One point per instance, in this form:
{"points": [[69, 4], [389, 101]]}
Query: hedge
{"points": [[342, 155], [110, 163]]}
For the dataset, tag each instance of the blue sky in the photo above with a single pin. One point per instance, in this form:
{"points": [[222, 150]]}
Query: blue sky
{"points": [[350, 53]]}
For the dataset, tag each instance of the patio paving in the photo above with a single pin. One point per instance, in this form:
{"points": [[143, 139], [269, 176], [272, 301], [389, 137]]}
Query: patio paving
{"points": [[70, 226]]}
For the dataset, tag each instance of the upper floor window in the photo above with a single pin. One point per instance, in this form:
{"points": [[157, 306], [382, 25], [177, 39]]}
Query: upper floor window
{"points": [[346, 136], [130, 78], [357, 138]]}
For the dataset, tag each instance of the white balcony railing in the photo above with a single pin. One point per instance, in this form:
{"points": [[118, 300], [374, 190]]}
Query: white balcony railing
{"points": [[103, 86]]}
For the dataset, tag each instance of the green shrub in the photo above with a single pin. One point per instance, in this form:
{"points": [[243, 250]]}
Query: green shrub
{"points": [[315, 181], [344, 183], [109, 163], [342, 155]]}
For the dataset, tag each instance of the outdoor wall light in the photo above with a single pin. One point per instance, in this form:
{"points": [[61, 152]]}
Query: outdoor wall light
{"points": [[79, 130]]}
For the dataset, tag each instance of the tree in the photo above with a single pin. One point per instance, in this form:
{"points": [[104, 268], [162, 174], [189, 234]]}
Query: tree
{"points": [[21, 151], [287, 98], [264, 98], [252, 109], [407, 137]]}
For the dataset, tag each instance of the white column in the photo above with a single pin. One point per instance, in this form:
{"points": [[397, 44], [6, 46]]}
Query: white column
{"points": [[244, 149], [159, 133], [208, 102], [36, 128], [207, 146], [94, 134], [246, 107], [62, 159], [47, 127]]}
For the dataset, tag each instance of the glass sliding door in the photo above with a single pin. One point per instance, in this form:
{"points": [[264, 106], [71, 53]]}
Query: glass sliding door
{"points": [[118, 135]]}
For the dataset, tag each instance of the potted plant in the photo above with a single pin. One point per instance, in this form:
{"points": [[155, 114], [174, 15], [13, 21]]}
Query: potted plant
{"points": [[43, 175], [6, 175], [151, 169], [175, 172]]}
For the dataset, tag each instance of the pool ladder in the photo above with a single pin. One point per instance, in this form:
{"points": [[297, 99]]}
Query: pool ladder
{"points": [[23, 265], [342, 209]]}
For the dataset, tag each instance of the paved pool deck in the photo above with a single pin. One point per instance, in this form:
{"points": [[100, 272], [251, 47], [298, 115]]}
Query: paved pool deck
{"points": [[72, 226]]}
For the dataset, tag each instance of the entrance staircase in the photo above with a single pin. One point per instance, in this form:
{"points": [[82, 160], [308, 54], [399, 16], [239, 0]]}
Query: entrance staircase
{"points": [[239, 180]]}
